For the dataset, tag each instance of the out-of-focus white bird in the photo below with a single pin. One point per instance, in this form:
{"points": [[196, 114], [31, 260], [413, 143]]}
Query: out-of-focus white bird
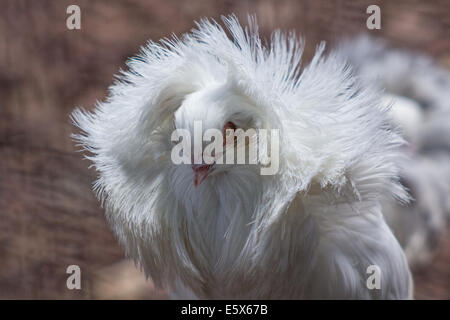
{"points": [[419, 91], [310, 231]]}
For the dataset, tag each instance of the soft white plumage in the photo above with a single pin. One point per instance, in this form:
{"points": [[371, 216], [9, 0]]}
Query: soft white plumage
{"points": [[419, 91], [309, 231]]}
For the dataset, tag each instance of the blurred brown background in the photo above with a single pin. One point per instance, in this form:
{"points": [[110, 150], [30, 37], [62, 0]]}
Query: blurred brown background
{"points": [[49, 218]]}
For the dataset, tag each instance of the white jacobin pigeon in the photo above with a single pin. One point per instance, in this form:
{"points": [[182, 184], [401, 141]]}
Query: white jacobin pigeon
{"points": [[302, 221]]}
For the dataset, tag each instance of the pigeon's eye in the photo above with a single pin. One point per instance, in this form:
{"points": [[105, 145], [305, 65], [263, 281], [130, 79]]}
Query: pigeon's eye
{"points": [[228, 129], [229, 126]]}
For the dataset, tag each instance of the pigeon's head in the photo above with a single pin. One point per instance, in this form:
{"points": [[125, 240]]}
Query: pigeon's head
{"points": [[220, 125]]}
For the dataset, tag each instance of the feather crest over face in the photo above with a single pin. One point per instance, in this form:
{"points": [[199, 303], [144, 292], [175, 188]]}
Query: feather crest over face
{"points": [[335, 146]]}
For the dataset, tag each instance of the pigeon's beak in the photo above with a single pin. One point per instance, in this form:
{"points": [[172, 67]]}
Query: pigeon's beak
{"points": [[201, 172]]}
